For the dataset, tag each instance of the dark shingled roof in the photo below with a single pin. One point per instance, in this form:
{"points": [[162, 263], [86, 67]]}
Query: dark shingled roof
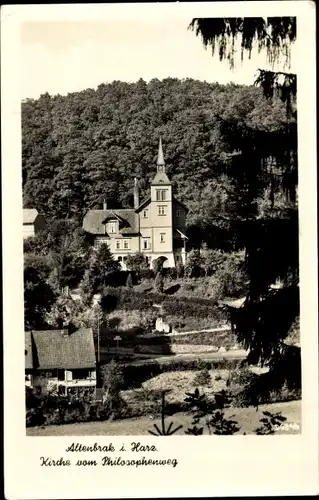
{"points": [[58, 349], [94, 220], [29, 215]]}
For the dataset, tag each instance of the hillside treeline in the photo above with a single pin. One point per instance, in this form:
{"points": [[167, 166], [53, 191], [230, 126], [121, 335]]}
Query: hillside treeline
{"points": [[223, 147]]}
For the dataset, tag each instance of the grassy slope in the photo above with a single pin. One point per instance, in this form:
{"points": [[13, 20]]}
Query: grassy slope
{"points": [[248, 419]]}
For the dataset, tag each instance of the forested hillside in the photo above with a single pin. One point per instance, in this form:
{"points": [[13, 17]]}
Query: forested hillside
{"points": [[80, 148]]}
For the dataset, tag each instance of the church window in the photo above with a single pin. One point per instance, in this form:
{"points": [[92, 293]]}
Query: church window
{"points": [[119, 259], [160, 194], [161, 210], [145, 214], [118, 244], [162, 237], [178, 213], [126, 245]]}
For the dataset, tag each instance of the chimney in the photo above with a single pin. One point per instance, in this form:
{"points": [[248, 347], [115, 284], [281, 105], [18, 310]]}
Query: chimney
{"points": [[66, 329], [104, 204], [136, 194]]}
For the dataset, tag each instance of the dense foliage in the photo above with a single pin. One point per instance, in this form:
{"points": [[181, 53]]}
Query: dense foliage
{"points": [[81, 148], [270, 238], [230, 152]]}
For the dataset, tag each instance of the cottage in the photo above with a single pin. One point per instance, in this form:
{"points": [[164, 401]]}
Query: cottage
{"points": [[33, 222], [60, 359], [155, 227]]}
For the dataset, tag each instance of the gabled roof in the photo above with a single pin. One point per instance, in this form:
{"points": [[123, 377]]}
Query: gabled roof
{"points": [[145, 202], [180, 203], [55, 349], [29, 215], [94, 220], [180, 234]]}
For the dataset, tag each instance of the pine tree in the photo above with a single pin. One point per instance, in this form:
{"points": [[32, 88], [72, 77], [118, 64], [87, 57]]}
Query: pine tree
{"points": [[270, 240], [101, 266]]}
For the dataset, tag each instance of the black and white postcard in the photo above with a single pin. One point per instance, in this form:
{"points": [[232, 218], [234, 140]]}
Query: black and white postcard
{"points": [[160, 250]]}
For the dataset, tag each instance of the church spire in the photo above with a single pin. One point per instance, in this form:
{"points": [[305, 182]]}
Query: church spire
{"points": [[160, 177], [160, 158]]}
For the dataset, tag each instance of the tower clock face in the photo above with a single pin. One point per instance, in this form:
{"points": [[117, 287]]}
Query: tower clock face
{"points": [[160, 168]]}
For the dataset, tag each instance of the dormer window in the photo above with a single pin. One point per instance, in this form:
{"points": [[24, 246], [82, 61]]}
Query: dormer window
{"points": [[113, 227]]}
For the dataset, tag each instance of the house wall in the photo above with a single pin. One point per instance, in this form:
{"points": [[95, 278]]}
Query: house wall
{"points": [[133, 243], [50, 382], [162, 224], [179, 222], [28, 230], [145, 222], [151, 228]]}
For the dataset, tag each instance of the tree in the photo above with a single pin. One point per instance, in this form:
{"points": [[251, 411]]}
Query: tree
{"points": [[158, 264], [193, 263], [63, 312], [159, 282], [211, 260], [101, 267], [66, 247], [274, 35], [136, 262], [113, 380], [83, 147], [38, 294], [271, 241]]}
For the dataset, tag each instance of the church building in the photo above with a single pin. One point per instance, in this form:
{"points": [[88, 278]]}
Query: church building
{"points": [[155, 227]]}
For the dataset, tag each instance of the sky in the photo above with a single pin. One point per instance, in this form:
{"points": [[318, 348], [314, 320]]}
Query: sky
{"points": [[62, 57]]}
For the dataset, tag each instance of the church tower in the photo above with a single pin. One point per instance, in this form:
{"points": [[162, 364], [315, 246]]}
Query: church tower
{"points": [[161, 210]]}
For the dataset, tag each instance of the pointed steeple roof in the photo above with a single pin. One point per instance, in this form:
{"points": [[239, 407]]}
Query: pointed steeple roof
{"points": [[160, 158], [161, 177]]}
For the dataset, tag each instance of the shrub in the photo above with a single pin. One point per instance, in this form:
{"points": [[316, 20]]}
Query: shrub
{"points": [[147, 274], [230, 277], [241, 377], [202, 378], [203, 365], [129, 281], [172, 273], [159, 283], [179, 270], [193, 263]]}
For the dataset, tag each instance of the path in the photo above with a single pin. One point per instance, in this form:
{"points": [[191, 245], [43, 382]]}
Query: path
{"points": [[238, 354], [225, 328]]}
